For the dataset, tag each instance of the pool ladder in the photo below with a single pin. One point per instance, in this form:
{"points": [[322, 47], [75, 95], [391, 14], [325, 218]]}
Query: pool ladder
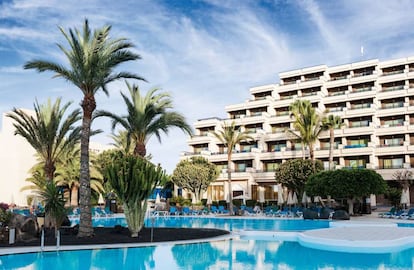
{"points": [[42, 240]]}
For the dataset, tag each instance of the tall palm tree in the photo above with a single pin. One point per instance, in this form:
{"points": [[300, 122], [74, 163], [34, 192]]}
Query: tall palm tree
{"points": [[147, 115], [332, 122], [48, 132], [307, 124], [93, 58], [230, 136]]}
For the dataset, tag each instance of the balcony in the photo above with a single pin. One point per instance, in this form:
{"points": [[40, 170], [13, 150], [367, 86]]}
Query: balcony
{"points": [[390, 149], [392, 88]]}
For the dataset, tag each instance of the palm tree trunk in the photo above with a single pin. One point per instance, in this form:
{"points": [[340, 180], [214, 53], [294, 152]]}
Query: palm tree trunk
{"points": [[331, 147], [140, 149], [74, 200], [230, 193], [85, 221]]}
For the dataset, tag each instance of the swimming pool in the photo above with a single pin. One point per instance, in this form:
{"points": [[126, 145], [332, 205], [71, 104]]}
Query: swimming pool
{"points": [[229, 224], [231, 254], [238, 253]]}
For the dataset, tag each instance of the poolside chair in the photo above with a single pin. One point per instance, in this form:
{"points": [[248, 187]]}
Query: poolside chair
{"points": [[174, 211], [387, 214], [214, 209], [398, 214], [408, 215], [186, 211], [223, 210]]}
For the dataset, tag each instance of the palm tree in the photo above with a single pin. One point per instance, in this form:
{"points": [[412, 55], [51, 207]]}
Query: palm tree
{"points": [[230, 136], [92, 59], [121, 142], [68, 173], [332, 122], [147, 115], [307, 124], [48, 132]]}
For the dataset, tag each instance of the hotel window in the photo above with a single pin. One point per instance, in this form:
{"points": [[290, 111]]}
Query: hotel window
{"points": [[337, 91], [258, 111], [362, 87], [359, 122], [339, 75], [392, 122], [364, 71], [291, 80], [271, 166], [241, 166], [263, 95], [393, 86], [356, 142], [392, 103], [393, 70], [276, 146], [362, 104], [391, 163], [356, 162], [237, 114]]}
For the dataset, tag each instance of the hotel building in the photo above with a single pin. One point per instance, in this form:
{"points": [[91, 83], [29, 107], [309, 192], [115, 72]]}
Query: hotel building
{"points": [[374, 98]]}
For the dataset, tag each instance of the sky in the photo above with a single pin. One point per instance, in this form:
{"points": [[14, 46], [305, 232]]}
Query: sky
{"points": [[205, 53]]}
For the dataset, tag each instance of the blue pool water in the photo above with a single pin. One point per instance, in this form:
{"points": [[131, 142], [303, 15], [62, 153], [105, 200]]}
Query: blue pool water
{"points": [[235, 254], [224, 254], [229, 224]]}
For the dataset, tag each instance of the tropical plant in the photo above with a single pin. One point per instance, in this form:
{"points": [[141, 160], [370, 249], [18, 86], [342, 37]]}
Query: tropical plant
{"points": [[48, 132], [307, 125], [350, 184], [93, 58], [294, 173], [52, 198], [195, 175], [230, 136], [68, 173], [332, 122], [147, 115], [121, 142], [133, 179]]}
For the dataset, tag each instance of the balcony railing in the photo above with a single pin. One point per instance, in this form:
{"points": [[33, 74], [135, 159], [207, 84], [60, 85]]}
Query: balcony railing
{"points": [[387, 73], [392, 88], [359, 124], [386, 167], [355, 145], [393, 105], [339, 93], [362, 89], [365, 73]]}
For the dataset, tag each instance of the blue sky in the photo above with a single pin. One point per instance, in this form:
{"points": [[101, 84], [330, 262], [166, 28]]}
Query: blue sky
{"points": [[207, 54]]}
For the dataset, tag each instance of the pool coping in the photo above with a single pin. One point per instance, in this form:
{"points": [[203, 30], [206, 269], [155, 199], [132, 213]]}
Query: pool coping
{"points": [[37, 249]]}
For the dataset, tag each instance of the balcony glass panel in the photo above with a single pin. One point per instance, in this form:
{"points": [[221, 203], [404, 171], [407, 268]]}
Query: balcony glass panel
{"points": [[392, 88], [393, 123], [387, 73], [392, 105], [396, 163], [392, 142], [355, 124], [338, 93], [361, 89], [360, 106]]}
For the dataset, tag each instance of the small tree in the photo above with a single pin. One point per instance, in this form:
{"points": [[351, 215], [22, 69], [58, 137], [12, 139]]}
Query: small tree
{"points": [[133, 179], [195, 175], [350, 184], [294, 173], [52, 198]]}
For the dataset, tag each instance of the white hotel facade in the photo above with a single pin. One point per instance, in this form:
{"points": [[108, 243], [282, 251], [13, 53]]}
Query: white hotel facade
{"points": [[374, 98]]}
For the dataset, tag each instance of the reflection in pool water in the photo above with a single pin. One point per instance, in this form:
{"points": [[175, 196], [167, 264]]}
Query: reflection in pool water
{"points": [[234, 254]]}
